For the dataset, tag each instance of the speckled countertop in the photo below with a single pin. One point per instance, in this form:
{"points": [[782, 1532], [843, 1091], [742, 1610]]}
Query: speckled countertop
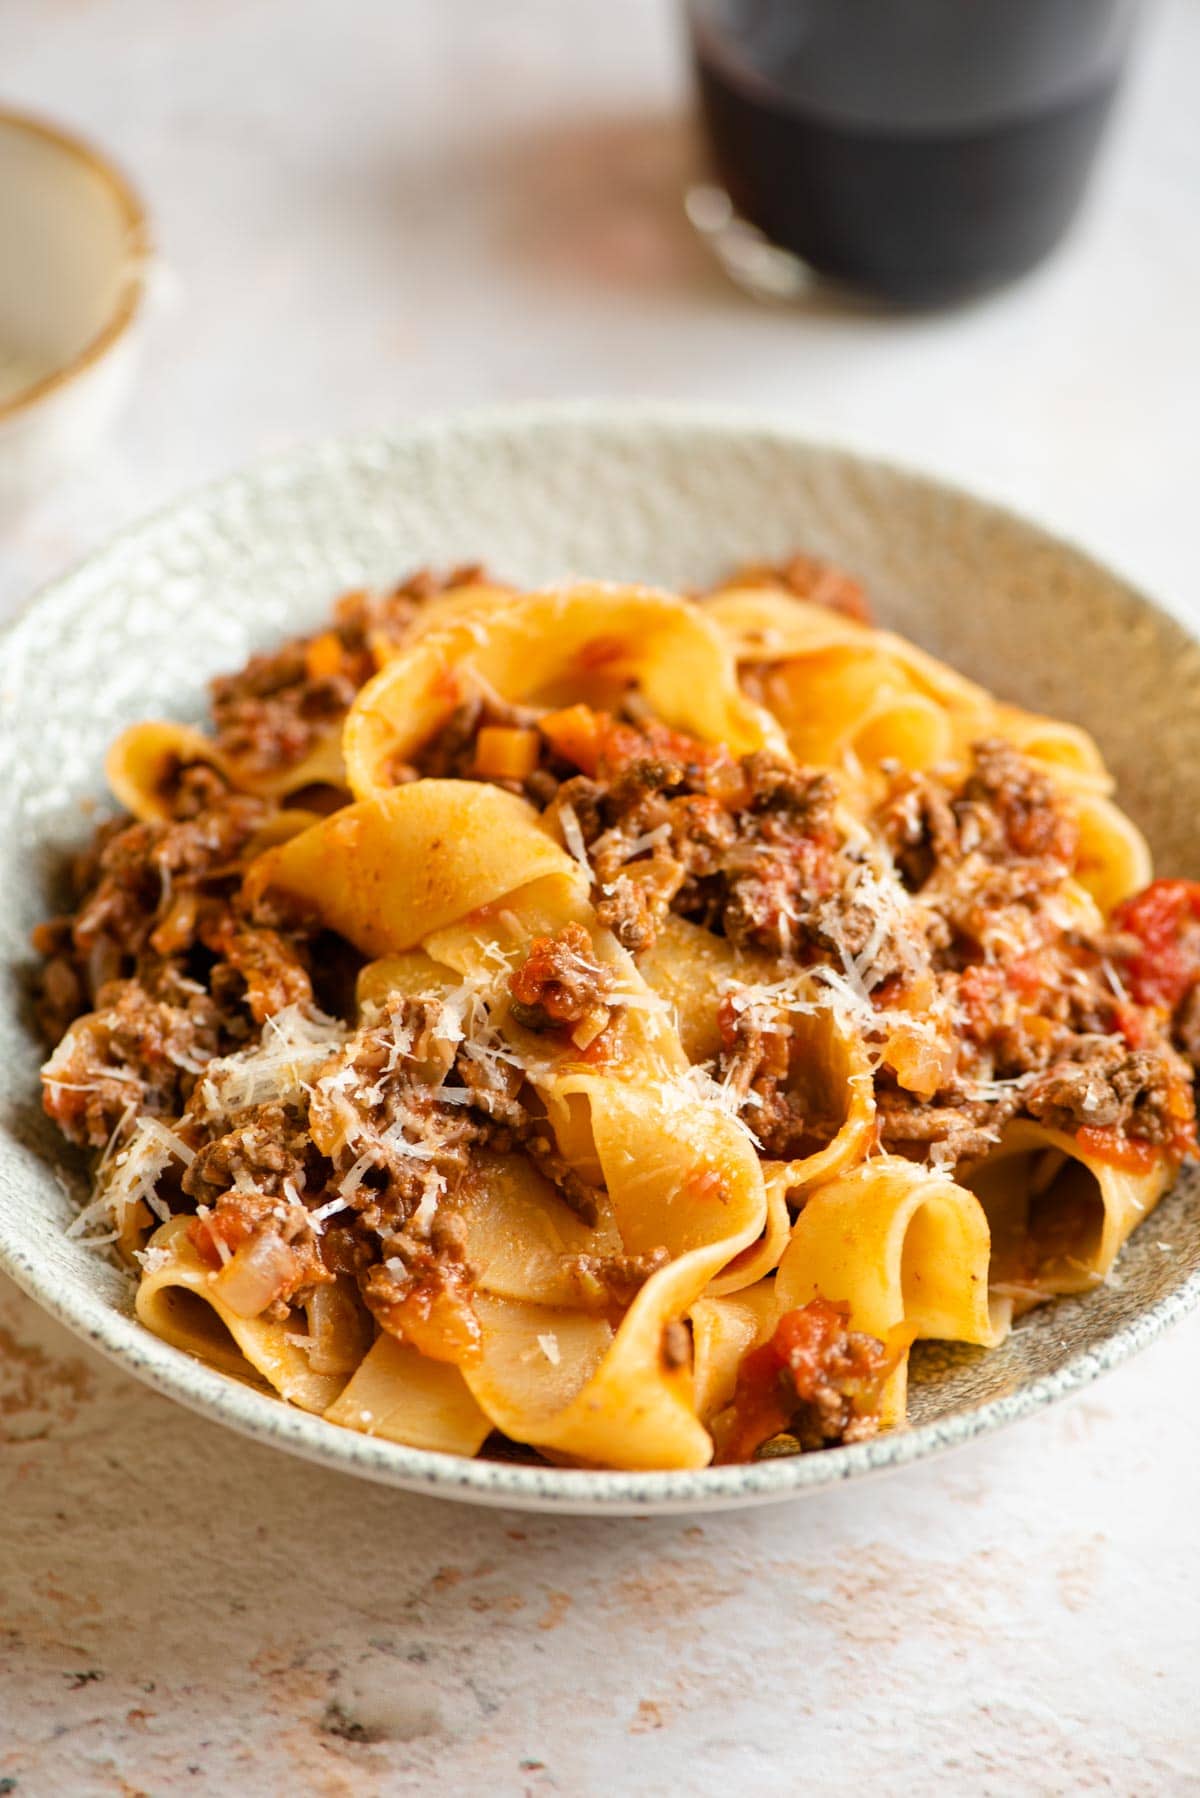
{"points": [[372, 211]]}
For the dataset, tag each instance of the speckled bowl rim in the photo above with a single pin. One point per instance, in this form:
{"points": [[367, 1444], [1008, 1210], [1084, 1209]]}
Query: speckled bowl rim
{"points": [[266, 1419]]}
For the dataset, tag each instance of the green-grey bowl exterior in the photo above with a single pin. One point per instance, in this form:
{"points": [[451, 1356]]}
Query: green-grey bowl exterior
{"points": [[668, 496]]}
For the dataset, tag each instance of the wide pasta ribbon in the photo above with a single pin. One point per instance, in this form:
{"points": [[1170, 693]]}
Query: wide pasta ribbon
{"points": [[902, 1247], [388, 872], [467, 876], [145, 759], [906, 1250], [583, 643], [849, 695], [694, 971], [677, 1176], [1058, 1213], [182, 1300], [540, 1154]]}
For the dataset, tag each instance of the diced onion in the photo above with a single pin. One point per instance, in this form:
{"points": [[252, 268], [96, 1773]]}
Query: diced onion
{"points": [[258, 1272], [338, 1327]]}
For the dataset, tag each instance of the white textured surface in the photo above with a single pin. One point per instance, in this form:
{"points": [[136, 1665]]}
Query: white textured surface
{"points": [[375, 210]]}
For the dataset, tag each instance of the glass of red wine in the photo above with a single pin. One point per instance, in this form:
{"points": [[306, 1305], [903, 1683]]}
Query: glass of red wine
{"points": [[921, 151]]}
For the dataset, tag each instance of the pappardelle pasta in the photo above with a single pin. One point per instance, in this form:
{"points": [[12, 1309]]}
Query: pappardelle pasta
{"points": [[612, 1026]]}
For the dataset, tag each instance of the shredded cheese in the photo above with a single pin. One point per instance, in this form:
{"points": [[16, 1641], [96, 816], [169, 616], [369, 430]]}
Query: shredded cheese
{"points": [[568, 823], [649, 839], [296, 1043]]}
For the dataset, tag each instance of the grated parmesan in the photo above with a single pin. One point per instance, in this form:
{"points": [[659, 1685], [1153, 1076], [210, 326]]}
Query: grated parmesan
{"points": [[295, 1045], [152, 1260], [204, 1213], [568, 823]]}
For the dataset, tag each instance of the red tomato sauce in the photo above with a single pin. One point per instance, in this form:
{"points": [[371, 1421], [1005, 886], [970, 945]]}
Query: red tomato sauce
{"points": [[812, 1352], [227, 1228], [1165, 918]]}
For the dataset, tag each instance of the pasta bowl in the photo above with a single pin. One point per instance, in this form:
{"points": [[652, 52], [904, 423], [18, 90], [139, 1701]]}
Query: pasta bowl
{"points": [[674, 498]]}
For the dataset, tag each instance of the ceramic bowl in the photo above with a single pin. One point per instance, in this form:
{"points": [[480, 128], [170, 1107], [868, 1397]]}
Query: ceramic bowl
{"points": [[666, 497], [73, 253]]}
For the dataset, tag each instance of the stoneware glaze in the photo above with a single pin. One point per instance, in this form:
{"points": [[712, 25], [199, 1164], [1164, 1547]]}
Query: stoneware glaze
{"points": [[664, 496]]}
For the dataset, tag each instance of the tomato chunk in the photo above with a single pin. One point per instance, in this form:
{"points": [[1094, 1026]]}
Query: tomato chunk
{"points": [[226, 1230], [1165, 918], [813, 1366]]}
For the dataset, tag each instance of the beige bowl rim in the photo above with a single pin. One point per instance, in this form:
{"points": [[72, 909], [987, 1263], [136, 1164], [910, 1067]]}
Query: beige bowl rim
{"points": [[138, 244]]}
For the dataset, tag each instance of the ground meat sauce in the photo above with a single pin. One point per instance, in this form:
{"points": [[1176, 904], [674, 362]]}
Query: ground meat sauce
{"points": [[1005, 816], [161, 974], [612, 1282], [423, 1294], [749, 848], [816, 1379], [745, 847], [160, 968], [136, 1054], [275, 710], [756, 1064], [1050, 1025], [369, 1140], [560, 986], [159, 949]]}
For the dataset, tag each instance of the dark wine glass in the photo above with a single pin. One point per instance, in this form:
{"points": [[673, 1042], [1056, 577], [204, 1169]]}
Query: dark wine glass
{"points": [[920, 150]]}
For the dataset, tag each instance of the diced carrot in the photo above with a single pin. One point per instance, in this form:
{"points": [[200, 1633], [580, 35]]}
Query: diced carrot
{"points": [[503, 752], [323, 657], [575, 734]]}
